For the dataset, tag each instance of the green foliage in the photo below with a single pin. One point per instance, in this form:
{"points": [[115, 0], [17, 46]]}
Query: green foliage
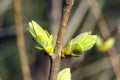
{"points": [[74, 47], [64, 74], [79, 44], [105, 45], [42, 37]]}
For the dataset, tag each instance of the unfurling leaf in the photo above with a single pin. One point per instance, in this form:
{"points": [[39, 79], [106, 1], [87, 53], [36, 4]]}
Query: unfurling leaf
{"points": [[79, 44], [42, 37], [64, 74], [105, 45]]}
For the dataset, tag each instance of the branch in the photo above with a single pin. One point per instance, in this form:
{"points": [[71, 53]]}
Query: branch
{"points": [[90, 21], [105, 33], [20, 40], [56, 58], [90, 69], [99, 18]]}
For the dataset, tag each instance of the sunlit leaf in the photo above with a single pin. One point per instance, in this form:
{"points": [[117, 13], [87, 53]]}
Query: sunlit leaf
{"points": [[42, 37], [89, 42], [106, 45], [65, 74], [99, 41], [79, 44]]}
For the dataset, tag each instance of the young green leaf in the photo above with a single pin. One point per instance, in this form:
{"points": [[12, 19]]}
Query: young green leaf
{"points": [[99, 41], [106, 45], [79, 44], [64, 74], [42, 37]]}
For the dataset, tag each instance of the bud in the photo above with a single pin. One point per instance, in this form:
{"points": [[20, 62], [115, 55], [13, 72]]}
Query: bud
{"points": [[42, 37], [105, 45], [79, 44]]}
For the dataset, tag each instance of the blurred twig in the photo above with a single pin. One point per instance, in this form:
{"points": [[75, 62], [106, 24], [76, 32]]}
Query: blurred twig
{"points": [[55, 14], [105, 33], [10, 31], [103, 75], [99, 18], [56, 58], [114, 33], [94, 68], [5, 5], [106, 75], [76, 19], [20, 41], [90, 21]]}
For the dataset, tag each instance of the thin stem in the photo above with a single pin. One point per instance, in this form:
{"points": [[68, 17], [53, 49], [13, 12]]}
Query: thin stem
{"points": [[90, 21], [56, 58], [20, 41], [99, 18]]}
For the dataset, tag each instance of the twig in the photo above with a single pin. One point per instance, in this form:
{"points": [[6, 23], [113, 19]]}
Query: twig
{"points": [[56, 58], [106, 75], [105, 33], [20, 41], [91, 69], [114, 33], [90, 21], [99, 18]]}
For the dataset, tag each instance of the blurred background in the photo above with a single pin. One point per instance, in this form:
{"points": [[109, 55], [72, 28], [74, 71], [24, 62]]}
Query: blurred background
{"points": [[102, 17]]}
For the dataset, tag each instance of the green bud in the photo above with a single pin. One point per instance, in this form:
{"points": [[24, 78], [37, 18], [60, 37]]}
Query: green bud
{"points": [[99, 42], [105, 45], [64, 74], [66, 52], [42, 37], [79, 44], [76, 49]]}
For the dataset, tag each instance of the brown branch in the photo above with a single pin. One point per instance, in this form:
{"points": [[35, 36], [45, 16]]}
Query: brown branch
{"points": [[90, 21], [105, 33], [90, 69], [99, 18], [114, 33], [56, 58], [20, 40]]}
